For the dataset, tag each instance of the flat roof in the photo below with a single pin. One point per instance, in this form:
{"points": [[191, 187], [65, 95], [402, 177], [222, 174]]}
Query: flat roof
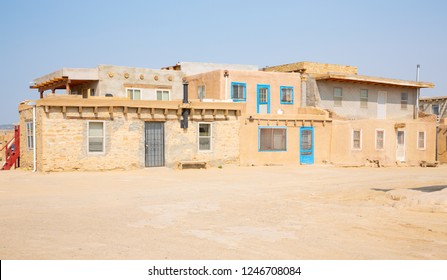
{"points": [[374, 80]]}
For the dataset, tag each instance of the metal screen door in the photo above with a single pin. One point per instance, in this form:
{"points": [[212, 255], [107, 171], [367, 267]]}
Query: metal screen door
{"points": [[154, 144]]}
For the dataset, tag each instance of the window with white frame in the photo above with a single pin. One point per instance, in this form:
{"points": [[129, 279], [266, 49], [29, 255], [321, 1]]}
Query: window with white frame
{"points": [[162, 94], [201, 92], [286, 95], [364, 98], [205, 137], [403, 100], [421, 140], [29, 136], [273, 139], [380, 139], [96, 137], [357, 139], [338, 96], [134, 94]]}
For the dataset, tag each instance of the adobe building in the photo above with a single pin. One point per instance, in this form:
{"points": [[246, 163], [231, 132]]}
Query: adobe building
{"points": [[113, 117]]}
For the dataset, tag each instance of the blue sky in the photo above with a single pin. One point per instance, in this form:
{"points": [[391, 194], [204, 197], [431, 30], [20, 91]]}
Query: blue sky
{"points": [[383, 38]]}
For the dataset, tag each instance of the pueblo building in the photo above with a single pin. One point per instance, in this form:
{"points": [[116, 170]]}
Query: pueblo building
{"points": [[113, 117]]}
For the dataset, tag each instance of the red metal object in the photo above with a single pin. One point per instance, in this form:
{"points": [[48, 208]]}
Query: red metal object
{"points": [[12, 151]]}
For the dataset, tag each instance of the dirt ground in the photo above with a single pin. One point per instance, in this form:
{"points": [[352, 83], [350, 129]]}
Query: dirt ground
{"points": [[268, 212]]}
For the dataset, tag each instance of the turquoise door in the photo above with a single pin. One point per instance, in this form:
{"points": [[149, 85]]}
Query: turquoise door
{"points": [[263, 99], [307, 145]]}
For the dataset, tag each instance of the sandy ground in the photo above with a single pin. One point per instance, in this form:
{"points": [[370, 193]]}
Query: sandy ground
{"points": [[276, 212]]}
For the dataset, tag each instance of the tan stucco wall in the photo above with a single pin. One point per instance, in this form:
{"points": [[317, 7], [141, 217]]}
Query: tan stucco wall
{"points": [[215, 87], [342, 151], [351, 100], [442, 143], [250, 154]]}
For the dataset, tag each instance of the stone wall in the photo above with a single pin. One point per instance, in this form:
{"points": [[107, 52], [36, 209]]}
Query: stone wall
{"points": [[65, 145]]}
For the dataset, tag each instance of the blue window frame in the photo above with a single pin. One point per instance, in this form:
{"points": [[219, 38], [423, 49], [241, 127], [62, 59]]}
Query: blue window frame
{"points": [[263, 99], [272, 139], [287, 94], [238, 92]]}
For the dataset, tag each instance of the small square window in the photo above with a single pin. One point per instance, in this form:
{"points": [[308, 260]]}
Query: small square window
{"points": [[272, 139], [238, 91], [286, 95]]}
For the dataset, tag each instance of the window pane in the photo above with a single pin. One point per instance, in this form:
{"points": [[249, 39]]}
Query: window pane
{"points": [[165, 95], [421, 138], [137, 94], [263, 95], [159, 95], [379, 139], [204, 143], [238, 91], [95, 144], [272, 139], [306, 140], [286, 95], [204, 129], [356, 139], [95, 129]]}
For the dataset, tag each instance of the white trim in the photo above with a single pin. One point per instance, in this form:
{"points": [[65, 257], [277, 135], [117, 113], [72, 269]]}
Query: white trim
{"points": [[425, 141], [133, 89], [210, 137], [375, 139], [352, 139], [162, 89], [103, 138], [29, 144]]}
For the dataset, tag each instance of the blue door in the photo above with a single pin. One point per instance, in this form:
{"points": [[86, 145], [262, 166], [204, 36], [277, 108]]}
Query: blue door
{"points": [[263, 99], [307, 145]]}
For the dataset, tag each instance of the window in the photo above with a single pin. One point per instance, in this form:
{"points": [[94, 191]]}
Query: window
{"points": [[204, 137], [238, 91], [29, 136], [380, 139], [403, 100], [338, 96], [201, 92], [272, 139], [364, 98], [134, 94], [435, 109], [421, 140], [357, 139], [263, 93], [162, 94], [96, 137], [92, 92], [286, 95]]}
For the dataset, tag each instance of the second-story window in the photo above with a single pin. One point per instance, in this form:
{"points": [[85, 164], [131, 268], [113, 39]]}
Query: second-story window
{"points": [[134, 94], [286, 95], [201, 92], [364, 98], [404, 100], [238, 91], [162, 94], [338, 96]]}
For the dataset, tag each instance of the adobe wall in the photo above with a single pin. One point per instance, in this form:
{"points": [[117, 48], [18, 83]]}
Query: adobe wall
{"points": [[250, 154], [343, 153], [351, 100], [215, 87], [442, 143], [115, 80]]}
